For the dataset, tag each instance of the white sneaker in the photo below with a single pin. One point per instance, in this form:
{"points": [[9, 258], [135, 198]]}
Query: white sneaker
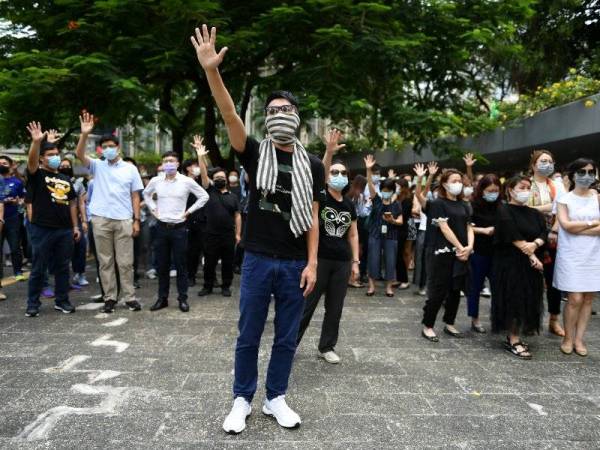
{"points": [[235, 422], [486, 292], [279, 409], [151, 274], [331, 357], [173, 273]]}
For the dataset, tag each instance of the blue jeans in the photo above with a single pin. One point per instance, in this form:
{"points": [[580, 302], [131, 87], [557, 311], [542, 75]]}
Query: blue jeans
{"points": [[49, 245], [12, 233], [390, 253], [171, 242], [481, 267], [261, 277]]}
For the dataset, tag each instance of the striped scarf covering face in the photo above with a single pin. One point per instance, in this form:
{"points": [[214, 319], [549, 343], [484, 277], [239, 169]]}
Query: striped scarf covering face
{"points": [[282, 130]]}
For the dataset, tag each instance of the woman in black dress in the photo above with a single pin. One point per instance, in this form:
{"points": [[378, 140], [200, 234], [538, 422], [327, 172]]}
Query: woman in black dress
{"points": [[518, 281], [449, 243]]}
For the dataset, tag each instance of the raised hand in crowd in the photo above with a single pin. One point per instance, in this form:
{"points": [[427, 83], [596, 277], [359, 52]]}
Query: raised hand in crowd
{"points": [[332, 145]]}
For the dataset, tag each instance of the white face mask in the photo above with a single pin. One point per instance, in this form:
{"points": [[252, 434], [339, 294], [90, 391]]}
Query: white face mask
{"points": [[468, 191], [454, 188], [521, 196], [233, 179], [195, 171]]}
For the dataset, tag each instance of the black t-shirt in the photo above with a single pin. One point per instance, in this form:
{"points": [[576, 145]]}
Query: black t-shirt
{"points": [[376, 223], [455, 213], [196, 220], [268, 223], [50, 194], [484, 216], [335, 219], [220, 212]]}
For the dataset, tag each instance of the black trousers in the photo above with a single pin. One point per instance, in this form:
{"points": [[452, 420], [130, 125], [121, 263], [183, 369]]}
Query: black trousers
{"points": [[553, 295], [171, 243], [442, 288], [401, 269], [195, 249], [218, 247], [332, 280], [363, 243]]}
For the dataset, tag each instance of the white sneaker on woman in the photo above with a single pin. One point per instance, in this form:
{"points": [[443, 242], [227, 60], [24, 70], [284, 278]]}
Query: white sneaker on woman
{"points": [[279, 409], [331, 357], [235, 422]]}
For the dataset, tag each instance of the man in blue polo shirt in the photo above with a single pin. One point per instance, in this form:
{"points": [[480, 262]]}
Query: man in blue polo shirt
{"points": [[115, 215], [14, 193]]}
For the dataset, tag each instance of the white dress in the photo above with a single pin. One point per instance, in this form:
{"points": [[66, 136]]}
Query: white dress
{"points": [[577, 266]]}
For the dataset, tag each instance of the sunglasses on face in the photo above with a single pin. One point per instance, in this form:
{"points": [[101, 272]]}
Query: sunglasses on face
{"points": [[286, 109], [584, 172], [336, 172]]}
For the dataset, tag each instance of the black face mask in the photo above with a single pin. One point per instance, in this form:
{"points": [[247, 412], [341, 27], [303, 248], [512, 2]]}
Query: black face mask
{"points": [[220, 183], [4, 170], [68, 171]]}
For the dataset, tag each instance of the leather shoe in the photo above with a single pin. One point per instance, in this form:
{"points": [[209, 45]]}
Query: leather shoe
{"points": [[160, 304], [183, 306], [455, 334], [204, 292]]}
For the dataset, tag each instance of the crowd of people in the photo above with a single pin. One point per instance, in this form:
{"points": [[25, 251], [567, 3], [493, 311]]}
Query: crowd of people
{"points": [[298, 228]]}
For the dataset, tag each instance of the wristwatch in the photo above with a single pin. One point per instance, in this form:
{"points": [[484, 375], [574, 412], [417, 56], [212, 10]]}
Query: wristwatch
{"points": [[356, 262]]}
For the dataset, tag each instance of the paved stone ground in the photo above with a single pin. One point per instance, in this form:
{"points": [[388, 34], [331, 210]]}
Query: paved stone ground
{"points": [[163, 380]]}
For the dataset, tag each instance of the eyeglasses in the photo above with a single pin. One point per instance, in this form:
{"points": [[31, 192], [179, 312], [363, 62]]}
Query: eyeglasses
{"points": [[584, 172], [336, 172], [286, 109]]}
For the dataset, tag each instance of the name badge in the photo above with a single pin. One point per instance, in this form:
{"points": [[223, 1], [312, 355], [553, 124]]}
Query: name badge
{"points": [[383, 229]]}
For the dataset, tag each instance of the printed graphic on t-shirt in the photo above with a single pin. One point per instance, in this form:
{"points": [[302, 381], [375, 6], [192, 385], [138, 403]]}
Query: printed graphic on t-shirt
{"points": [[275, 203], [59, 189], [336, 222]]}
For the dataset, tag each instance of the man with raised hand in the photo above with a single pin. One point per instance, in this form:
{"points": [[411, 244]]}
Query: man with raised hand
{"points": [[54, 222], [115, 215], [281, 239]]}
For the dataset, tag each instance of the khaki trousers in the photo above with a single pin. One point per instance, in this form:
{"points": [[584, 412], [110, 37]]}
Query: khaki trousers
{"points": [[114, 243]]}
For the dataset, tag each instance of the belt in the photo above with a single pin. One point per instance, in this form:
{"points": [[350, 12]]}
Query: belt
{"points": [[172, 225]]}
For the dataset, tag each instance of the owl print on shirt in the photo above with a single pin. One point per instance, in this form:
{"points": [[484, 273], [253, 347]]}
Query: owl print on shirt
{"points": [[336, 223]]}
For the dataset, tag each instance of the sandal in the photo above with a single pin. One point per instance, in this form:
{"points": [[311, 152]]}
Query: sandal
{"points": [[370, 294], [519, 350], [389, 294], [580, 351]]}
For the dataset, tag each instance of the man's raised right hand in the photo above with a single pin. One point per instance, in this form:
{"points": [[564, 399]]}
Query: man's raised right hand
{"points": [[204, 43]]}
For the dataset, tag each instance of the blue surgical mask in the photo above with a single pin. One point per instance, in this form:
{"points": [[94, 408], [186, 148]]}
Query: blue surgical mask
{"points": [[584, 181], [490, 196], [337, 183], [545, 169], [110, 153], [54, 162], [386, 195]]}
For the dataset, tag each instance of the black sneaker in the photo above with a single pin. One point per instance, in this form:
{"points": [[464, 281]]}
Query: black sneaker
{"points": [[226, 292], [64, 307], [109, 306], [204, 292], [32, 312], [134, 305], [237, 270]]}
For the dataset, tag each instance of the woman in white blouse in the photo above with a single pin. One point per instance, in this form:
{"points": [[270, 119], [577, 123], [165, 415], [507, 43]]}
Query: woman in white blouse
{"points": [[577, 269]]}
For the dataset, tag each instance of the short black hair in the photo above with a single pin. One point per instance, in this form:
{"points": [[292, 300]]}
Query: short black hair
{"points": [[170, 154], [7, 158], [129, 159], [187, 163], [287, 95], [215, 170], [109, 137], [388, 184], [47, 146], [376, 168]]}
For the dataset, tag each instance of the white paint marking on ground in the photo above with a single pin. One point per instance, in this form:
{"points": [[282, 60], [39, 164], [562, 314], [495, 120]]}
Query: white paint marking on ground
{"points": [[101, 316], [116, 323], [68, 364], [41, 427], [104, 341], [101, 375], [90, 306], [538, 409]]}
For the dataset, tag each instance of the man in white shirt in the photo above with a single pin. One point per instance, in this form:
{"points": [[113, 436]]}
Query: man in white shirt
{"points": [[115, 215], [172, 190]]}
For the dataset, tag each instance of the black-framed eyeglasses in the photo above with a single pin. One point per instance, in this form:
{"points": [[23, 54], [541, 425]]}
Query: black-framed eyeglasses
{"points": [[286, 109], [336, 172], [584, 172]]}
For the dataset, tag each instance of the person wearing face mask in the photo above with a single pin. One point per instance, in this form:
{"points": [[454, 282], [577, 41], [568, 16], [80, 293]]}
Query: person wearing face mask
{"points": [[544, 191], [384, 221], [170, 209], [196, 222], [404, 199], [14, 193], [80, 247], [517, 282], [223, 227], [485, 205], [280, 240], [54, 223], [115, 215], [233, 182], [577, 269], [338, 253], [449, 244]]}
